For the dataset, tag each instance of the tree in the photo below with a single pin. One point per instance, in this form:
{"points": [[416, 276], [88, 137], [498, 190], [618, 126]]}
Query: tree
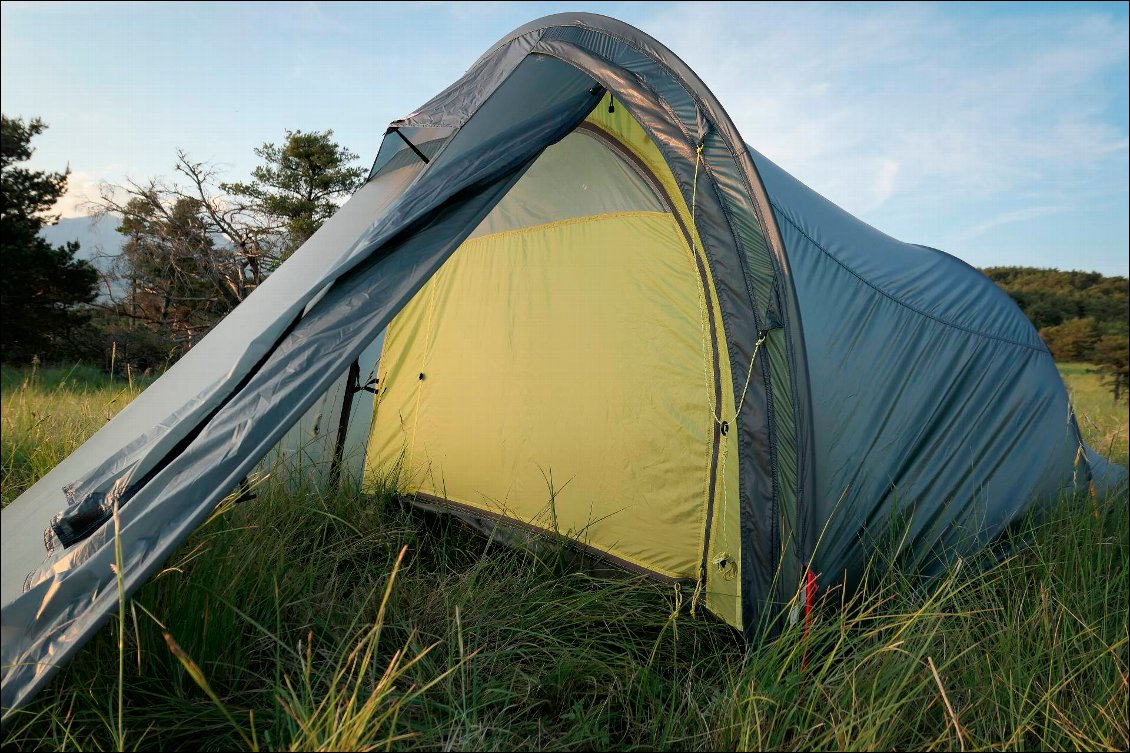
{"points": [[44, 290], [1112, 354], [190, 257], [178, 281], [1073, 340], [1052, 297], [300, 185], [196, 247]]}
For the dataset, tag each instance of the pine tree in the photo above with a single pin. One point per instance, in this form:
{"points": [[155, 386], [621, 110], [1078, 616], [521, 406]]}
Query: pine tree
{"points": [[300, 185], [44, 289]]}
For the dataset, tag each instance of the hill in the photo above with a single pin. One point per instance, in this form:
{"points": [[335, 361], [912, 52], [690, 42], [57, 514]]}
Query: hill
{"points": [[1051, 297], [97, 237], [1082, 316]]}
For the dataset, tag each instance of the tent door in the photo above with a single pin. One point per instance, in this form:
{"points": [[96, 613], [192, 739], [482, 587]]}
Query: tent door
{"points": [[561, 370]]}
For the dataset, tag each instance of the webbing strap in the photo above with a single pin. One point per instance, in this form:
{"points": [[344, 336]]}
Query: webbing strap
{"points": [[411, 146]]}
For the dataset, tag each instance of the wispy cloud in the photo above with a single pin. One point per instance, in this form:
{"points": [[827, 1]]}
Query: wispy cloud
{"points": [[917, 104], [1019, 215], [308, 18], [884, 186], [953, 125]]}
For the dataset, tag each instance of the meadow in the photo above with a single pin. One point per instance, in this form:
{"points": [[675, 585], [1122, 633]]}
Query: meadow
{"points": [[313, 620]]}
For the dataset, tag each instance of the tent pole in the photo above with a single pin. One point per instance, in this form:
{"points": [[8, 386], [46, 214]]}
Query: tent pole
{"points": [[352, 387]]}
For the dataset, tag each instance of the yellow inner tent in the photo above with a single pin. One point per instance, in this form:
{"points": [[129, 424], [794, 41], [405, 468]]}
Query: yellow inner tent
{"points": [[563, 368]]}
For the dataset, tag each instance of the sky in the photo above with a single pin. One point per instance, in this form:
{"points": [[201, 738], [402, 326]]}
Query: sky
{"points": [[997, 132]]}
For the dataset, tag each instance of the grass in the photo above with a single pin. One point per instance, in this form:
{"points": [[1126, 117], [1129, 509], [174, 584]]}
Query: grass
{"points": [[47, 414], [1102, 422], [306, 620]]}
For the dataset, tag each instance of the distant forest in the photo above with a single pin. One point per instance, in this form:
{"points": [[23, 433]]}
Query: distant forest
{"points": [[1082, 316]]}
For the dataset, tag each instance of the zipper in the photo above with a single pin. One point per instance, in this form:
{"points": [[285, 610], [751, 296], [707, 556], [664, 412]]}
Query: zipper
{"points": [[720, 427]]}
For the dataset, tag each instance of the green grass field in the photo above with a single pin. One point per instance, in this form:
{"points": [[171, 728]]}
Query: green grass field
{"points": [[280, 625], [1102, 422]]}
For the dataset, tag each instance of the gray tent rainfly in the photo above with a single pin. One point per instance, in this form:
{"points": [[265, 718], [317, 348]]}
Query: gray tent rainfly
{"points": [[773, 379]]}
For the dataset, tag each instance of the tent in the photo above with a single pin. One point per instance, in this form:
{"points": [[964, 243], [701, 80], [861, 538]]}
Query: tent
{"points": [[569, 297]]}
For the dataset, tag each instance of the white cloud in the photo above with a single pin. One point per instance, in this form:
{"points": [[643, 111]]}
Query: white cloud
{"points": [[84, 188], [885, 181], [915, 103]]}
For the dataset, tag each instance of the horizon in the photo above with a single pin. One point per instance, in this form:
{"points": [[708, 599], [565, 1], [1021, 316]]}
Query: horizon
{"points": [[996, 133], [98, 226]]}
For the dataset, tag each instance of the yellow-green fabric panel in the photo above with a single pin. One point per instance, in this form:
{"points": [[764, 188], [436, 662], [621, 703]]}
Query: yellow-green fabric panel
{"points": [[397, 393], [571, 351], [723, 586], [576, 177], [723, 571], [722, 590]]}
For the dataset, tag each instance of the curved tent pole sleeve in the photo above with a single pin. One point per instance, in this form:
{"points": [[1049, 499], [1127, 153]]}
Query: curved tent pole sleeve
{"points": [[678, 139]]}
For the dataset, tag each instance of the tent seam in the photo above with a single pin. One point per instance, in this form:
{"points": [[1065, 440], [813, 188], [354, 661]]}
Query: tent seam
{"points": [[711, 351], [578, 220], [702, 109], [743, 252], [747, 277], [911, 307]]}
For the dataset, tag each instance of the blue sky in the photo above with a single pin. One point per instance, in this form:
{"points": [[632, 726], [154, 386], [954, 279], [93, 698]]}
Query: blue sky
{"points": [[997, 132]]}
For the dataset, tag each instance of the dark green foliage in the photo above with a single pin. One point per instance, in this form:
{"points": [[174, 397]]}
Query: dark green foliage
{"points": [[177, 276], [43, 288], [1051, 297], [1082, 316], [120, 343], [1074, 340], [1112, 354], [300, 184]]}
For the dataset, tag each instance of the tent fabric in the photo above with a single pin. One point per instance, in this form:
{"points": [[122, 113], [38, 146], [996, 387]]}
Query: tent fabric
{"points": [[535, 346], [70, 595], [535, 339], [699, 143], [936, 393], [196, 382], [576, 177], [890, 380], [722, 580], [306, 454], [610, 142]]}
